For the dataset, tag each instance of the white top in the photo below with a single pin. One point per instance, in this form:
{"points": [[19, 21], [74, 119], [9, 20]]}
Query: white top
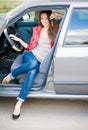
{"points": [[42, 48]]}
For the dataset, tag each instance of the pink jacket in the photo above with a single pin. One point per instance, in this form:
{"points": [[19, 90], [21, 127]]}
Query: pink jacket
{"points": [[35, 37]]}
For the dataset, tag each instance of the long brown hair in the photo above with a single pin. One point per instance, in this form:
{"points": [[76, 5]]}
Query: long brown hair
{"points": [[53, 27]]}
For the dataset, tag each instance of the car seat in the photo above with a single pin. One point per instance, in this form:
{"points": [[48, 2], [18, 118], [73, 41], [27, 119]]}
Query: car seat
{"points": [[41, 77]]}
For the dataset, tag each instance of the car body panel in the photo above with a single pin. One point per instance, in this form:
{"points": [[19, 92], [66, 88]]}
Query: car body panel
{"points": [[71, 59], [68, 72]]}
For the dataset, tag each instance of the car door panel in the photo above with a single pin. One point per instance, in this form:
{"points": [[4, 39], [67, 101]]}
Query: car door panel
{"points": [[71, 58]]}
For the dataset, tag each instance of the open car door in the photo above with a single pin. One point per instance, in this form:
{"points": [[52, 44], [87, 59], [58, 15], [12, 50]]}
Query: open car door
{"points": [[3, 22]]}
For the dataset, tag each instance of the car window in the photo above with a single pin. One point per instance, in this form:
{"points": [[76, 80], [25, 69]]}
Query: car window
{"points": [[77, 34], [31, 16], [34, 15]]}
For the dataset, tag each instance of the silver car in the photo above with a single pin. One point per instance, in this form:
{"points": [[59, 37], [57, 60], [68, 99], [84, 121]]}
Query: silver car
{"points": [[64, 71]]}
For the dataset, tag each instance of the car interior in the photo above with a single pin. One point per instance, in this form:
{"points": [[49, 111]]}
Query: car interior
{"points": [[11, 57]]}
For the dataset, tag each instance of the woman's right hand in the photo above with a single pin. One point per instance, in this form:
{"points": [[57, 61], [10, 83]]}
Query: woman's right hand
{"points": [[15, 38]]}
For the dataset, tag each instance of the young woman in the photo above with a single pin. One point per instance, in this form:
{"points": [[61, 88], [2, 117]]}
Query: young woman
{"points": [[40, 44]]}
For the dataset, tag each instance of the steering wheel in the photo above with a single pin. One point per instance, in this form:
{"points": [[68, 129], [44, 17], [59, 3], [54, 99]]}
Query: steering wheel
{"points": [[14, 45]]}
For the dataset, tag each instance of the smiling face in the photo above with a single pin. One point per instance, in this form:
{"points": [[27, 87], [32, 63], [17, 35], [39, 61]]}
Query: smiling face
{"points": [[44, 20]]}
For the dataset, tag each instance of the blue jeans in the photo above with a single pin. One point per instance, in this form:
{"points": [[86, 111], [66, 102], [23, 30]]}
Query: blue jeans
{"points": [[31, 66]]}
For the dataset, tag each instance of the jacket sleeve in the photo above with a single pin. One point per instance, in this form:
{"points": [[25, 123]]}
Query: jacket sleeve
{"points": [[31, 45], [35, 37]]}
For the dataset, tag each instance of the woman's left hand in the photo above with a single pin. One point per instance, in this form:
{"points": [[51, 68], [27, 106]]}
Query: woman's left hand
{"points": [[52, 16], [56, 15]]}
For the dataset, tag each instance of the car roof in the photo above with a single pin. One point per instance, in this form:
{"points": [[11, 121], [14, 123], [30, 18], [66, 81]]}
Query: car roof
{"points": [[65, 1], [30, 3], [53, 1], [37, 3]]}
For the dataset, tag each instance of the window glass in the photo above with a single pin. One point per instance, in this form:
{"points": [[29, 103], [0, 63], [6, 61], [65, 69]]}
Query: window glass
{"points": [[34, 15], [77, 33], [31, 16]]}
